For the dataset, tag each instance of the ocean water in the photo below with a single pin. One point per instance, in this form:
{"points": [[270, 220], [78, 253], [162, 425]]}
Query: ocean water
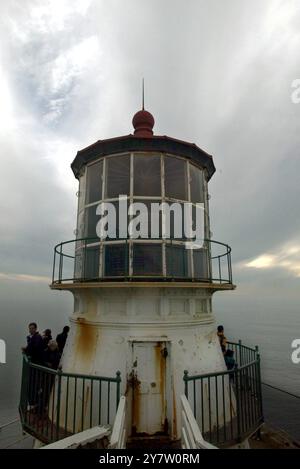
{"points": [[20, 304], [272, 330]]}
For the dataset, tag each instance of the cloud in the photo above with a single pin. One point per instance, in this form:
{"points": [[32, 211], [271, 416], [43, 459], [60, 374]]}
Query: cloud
{"points": [[63, 72], [217, 75], [24, 278], [6, 108], [285, 257], [262, 262], [48, 16]]}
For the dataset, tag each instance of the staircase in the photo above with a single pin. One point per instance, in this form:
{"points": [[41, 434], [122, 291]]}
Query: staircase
{"points": [[152, 442]]}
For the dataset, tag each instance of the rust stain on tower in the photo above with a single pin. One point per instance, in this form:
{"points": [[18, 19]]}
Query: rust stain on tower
{"points": [[86, 341]]}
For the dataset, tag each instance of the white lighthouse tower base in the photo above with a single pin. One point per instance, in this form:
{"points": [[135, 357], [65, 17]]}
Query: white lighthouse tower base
{"points": [[151, 335]]}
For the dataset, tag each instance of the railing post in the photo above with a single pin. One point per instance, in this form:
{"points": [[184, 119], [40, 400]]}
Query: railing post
{"points": [[53, 271], [230, 267], [126, 267], [259, 387], [85, 260], [208, 259], [172, 258], [59, 377], [227, 255], [118, 375], [28, 379], [238, 403], [186, 266], [24, 389], [240, 353], [22, 394], [60, 264], [185, 379], [220, 275]]}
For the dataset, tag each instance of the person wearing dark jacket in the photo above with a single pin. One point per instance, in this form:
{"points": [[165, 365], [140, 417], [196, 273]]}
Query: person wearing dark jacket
{"points": [[51, 360], [229, 360], [230, 363], [51, 356], [34, 348], [46, 338], [62, 338], [222, 339]]}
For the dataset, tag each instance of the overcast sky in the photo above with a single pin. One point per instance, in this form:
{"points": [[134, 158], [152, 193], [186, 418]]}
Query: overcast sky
{"points": [[216, 73]]}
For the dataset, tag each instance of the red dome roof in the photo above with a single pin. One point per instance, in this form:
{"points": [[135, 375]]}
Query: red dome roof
{"points": [[143, 123]]}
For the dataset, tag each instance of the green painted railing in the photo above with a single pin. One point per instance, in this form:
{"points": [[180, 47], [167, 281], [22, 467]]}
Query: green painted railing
{"points": [[88, 259], [228, 405], [55, 404]]}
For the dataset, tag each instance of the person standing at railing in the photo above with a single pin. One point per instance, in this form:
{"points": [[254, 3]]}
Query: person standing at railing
{"points": [[222, 338], [229, 360], [34, 350], [230, 363], [62, 338], [51, 359], [46, 338], [35, 345], [51, 355]]}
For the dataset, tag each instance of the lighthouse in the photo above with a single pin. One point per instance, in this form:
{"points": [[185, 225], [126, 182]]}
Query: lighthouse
{"points": [[143, 306], [142, 271]]}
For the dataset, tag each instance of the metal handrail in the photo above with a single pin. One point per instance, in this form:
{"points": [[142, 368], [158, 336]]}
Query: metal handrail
{"points": [[55, 404], [214, 274], [219, 373], [73, 375], [213, 396]]}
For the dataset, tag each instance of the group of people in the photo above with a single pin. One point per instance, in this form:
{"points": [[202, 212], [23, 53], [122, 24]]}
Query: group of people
{"points": [[42, 349], [228, 353]]}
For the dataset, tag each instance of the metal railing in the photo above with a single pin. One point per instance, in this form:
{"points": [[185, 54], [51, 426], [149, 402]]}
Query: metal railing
{"points": [[55, 404], [191, 437], [93, 438], [86, 260], [228, 405]]}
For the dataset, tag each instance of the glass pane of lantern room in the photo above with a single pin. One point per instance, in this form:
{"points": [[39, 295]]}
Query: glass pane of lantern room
{"points": [[177, 261], [91, 220], [147, 259], [175, 178], [197, 185], [94, 183], [116, 260], [174, 220], [147, 179], [117, 176], [117, 230], [200, 264], [79, 256], [149, 226], [91, 262]]}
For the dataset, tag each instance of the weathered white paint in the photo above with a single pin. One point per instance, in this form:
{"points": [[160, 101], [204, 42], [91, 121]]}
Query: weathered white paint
{"points": [[191, 437], [149, 390], [107, 322], [118, 436], [80, 439]]}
